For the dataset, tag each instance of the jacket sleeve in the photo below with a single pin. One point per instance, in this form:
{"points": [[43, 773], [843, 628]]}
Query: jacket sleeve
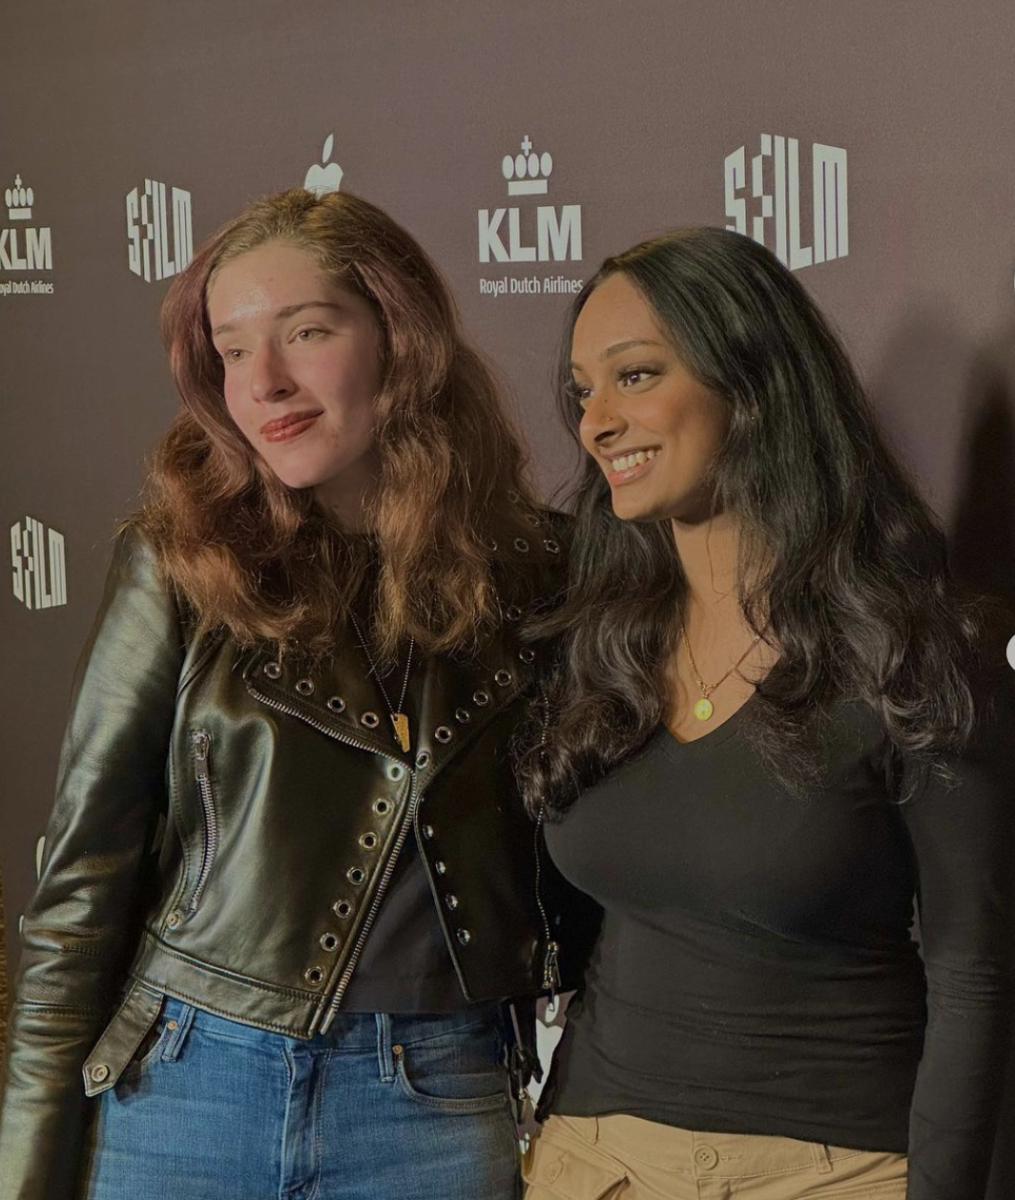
{"points": [[82, 926], [963, 833]]}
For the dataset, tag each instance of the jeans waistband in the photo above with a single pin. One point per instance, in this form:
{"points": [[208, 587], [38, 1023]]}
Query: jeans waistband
{"points": [[349, 1031]]}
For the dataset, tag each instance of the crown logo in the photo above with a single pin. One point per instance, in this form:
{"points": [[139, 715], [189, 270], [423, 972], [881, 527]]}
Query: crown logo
{"points": [[19, 201], [527, 172]]}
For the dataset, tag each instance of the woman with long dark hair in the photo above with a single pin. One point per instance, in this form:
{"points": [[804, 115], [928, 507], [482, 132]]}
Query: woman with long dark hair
{"points": [[289, 881], [772, 727]]}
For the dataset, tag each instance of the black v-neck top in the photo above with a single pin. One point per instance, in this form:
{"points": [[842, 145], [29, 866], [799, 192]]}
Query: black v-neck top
{"points": [[756, 971]]}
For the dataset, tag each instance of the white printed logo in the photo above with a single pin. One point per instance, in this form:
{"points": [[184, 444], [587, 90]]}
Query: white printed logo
{"points": [[558, 231], [24, 246], [151, 253], [40, 854], [513, 234], [39, 564], [325, 176], [19, 201], [775, 197]]}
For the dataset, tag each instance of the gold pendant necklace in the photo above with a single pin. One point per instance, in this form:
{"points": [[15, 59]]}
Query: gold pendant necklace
{"points": [[704, 708], [399, 718]]}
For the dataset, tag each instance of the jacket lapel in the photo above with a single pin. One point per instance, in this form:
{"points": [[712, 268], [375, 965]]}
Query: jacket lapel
{"points": [[459, 698]]}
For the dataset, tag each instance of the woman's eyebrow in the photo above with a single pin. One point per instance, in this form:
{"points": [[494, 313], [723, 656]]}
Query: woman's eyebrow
{"points": [[290, 310], [619, 348]]}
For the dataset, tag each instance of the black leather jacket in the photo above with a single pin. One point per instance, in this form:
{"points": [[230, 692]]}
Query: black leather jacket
{"points": [[242, 871]]}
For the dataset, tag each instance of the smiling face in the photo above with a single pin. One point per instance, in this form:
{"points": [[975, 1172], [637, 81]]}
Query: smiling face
{"points": [[303, 363], [650, 425]]}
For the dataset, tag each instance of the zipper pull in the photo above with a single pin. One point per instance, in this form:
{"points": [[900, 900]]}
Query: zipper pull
{"points": [[551, 970], [200, 742]]}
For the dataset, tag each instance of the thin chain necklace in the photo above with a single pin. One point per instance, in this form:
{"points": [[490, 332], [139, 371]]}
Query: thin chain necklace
{"points": [[399, 717], [704, 708]]}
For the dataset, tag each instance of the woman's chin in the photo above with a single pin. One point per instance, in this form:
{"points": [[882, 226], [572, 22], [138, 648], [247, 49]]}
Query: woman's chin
{"points": [[630, 508], [299, 480]]}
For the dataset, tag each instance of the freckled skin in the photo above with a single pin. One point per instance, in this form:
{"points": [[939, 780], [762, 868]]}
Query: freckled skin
{"points": [[636, 394], [325, 359]]}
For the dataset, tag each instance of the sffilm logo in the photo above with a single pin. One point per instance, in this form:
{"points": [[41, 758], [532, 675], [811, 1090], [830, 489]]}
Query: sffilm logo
{"points": [[780, 202], [39, 565], [148, 243]]}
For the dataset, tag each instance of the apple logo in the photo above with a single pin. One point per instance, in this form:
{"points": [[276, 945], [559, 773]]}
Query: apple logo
{"points": [[324, 176]]}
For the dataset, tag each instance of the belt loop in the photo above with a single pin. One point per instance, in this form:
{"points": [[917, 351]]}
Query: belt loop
{"points": [[178, 1035], [822, 1161], [385, 1059]]}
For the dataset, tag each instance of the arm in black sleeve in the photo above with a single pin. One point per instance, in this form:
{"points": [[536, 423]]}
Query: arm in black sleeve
{"points": [[962, 833], [81, 927]]}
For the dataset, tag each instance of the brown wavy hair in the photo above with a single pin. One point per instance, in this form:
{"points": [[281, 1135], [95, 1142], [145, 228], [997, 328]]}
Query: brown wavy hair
{"points": [[262, 560]]}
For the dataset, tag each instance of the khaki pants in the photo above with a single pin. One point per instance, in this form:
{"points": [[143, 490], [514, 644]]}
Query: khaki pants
{"points": [[626, 1158]]}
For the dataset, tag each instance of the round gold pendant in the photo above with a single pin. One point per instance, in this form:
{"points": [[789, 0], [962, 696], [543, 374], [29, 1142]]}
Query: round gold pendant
{"points": [[703, 709]]}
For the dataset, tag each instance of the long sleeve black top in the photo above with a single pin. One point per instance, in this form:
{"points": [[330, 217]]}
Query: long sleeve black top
{"points": [[756, 971]]}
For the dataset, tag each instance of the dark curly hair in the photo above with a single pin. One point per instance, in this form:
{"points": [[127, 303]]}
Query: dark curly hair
{"points": [[841, 561]]}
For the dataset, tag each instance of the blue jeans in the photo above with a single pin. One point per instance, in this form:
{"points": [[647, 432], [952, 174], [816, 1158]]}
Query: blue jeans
{"points": [[382, 1107]]}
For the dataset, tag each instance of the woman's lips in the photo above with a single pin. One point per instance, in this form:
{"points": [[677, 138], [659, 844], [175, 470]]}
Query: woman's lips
{"points": [[628, 474], [284, 429]]}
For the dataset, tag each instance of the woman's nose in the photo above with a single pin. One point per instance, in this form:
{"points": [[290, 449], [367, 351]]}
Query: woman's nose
{"points": [[601, 422], [269, 379]]}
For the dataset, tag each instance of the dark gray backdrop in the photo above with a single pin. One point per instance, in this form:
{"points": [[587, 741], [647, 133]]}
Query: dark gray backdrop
{"points": [[638, 104]]}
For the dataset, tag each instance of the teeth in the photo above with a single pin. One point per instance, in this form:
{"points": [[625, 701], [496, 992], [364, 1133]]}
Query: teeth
{"points": [[626, 461]]}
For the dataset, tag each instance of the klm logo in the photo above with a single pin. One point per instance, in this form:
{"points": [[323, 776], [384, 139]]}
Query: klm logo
{"points": [[39, 564], [151, 216], [24, 247], [519, 235], [802, 227]]}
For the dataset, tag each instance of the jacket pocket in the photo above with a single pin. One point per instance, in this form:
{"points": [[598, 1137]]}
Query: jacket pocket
{"points": [[200, 748]]}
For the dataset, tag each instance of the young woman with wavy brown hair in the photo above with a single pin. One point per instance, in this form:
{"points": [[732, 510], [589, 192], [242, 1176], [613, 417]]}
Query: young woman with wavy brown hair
{"points": [[289, 882], [445, 467], [774, 726]]}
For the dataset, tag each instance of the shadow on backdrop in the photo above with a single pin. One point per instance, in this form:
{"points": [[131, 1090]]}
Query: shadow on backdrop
{"points": [[949, 406], [983, 530], [983, 540]]}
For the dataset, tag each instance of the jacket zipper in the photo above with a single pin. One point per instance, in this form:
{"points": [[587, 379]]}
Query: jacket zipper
{"points": [[343, 983], [200, 745], [551, 956], [278, 706], [350, 966]]}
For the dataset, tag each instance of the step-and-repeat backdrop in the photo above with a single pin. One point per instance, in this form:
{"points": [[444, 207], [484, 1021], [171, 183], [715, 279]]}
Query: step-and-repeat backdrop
{"points": [[868, 144]]}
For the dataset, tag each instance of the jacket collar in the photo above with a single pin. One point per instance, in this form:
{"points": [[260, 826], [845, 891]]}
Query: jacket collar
{"points": [[459, 698]]}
